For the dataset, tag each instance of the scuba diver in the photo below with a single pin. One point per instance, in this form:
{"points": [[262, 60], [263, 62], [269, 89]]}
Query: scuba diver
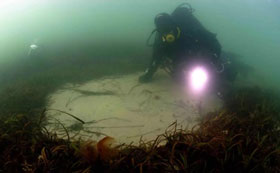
{"points": [[180, 36]]}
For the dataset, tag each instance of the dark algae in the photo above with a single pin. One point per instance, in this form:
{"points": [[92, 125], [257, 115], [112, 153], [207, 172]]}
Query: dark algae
{"points": [[243, 136], [77, 42]]}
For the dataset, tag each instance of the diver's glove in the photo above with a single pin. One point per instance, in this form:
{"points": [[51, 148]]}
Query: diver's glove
{"points": [[145, 78]]}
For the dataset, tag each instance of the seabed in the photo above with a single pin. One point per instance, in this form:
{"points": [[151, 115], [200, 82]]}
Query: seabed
{"points": [[120, 107]]}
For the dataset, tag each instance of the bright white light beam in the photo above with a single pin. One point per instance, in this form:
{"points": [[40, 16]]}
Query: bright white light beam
{"points": [[198, 78]]}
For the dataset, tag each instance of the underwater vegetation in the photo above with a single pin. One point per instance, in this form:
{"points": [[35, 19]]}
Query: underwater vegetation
{"points": [[243, 136]]}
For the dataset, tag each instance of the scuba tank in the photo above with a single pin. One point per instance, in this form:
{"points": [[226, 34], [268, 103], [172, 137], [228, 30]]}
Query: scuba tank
{"points": [[184, 18]]}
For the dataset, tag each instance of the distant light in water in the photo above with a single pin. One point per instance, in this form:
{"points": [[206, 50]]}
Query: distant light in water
{"points": [[198, 78], [33, 46]]}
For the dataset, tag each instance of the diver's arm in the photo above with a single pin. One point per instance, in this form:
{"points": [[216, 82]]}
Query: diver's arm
{"points": [[155, 61], [153, 66], [211, 43], [216, 48]]}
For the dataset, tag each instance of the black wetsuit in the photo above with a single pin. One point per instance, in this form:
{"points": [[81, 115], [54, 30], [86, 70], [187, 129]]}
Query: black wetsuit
{"points": [[194, 39]]}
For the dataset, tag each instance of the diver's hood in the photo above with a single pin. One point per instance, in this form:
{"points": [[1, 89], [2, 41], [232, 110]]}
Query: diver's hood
{"points": [[164, 23]]}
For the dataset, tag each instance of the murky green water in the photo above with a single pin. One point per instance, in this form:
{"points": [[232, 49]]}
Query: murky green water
{"points": [[76, 31]]}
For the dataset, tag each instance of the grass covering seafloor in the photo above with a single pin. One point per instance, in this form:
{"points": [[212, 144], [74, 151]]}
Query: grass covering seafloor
{"points": [[244, 136]]}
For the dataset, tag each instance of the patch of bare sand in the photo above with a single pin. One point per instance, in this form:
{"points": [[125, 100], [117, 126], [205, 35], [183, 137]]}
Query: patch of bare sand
{"points": [[122, 108]]}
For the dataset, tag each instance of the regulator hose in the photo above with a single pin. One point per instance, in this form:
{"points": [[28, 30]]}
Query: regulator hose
{"points": [[149, 38]]}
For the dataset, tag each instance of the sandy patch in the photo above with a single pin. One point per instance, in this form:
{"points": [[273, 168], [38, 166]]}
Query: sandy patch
{"points": [[122, 108]]}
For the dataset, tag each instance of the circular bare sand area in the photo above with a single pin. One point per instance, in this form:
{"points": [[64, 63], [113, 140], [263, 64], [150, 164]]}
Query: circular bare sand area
{"points": [[120, 107]]}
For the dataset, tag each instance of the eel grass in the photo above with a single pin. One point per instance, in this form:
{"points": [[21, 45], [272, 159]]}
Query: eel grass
{"points": [[243, 136]]}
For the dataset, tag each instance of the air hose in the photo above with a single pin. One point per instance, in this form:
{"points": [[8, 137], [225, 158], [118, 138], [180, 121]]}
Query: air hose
{"points": [[149, 38]]}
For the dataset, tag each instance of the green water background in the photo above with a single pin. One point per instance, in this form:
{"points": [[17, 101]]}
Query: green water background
{"points": [[72, 28]]}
